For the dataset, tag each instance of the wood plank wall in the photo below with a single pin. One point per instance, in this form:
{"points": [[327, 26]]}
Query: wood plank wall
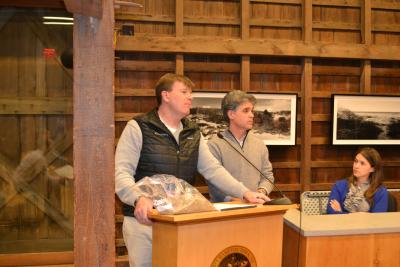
{"points": [[36, 207], [310, 47]]}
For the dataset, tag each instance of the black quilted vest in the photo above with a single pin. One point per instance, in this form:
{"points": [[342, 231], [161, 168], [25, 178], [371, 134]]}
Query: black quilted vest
{"points": [[161, 154]]}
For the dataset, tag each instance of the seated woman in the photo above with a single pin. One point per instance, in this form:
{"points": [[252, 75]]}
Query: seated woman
{"points": [[363, 190]]}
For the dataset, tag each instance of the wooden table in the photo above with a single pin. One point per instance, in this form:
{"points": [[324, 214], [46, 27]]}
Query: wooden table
{"points": [[357, 239]]}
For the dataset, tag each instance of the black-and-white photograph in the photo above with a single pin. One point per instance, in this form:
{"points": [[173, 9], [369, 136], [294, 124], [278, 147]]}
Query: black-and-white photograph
{"points": [[274, 116], [366, 120]]}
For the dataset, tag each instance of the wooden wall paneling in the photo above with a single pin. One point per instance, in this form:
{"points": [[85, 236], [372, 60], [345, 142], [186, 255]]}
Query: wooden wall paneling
{"points": [[41, 126], [306, 108], [327, 28], [385, 25], [212, 18], [385, 77], [271, 74], [94, 140], [26, 87], [198, 70], [275, 20]]}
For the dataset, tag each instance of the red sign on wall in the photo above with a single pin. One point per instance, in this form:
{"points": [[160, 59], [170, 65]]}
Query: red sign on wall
{"points": [[49, 53]]}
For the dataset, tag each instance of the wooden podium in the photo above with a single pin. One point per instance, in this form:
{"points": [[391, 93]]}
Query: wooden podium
{"points": [[209, 238]]}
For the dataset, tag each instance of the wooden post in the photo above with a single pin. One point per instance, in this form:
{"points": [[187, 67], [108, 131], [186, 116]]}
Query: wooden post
{"points": [[366, 22], [179, 59], [366, 36], [245, 33], [94, 221], [307, 21], [306, 113], [365, 79]]}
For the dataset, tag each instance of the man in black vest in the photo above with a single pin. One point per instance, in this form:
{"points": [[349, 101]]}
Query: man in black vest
{"points": [[163, 141]]}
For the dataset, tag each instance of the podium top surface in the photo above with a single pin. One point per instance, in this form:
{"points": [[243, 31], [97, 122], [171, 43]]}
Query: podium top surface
{"points": [[343, 224], [216, 215]]}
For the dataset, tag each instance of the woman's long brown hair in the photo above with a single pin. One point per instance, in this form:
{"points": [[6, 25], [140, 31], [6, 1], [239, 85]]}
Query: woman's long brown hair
{"points": [[375, 177]]}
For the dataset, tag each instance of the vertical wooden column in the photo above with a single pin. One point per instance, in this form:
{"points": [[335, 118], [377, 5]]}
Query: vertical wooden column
{"points": [[366, 36], [93, 133], [245, 33], [179, 60], [306, 101], [307, 20], [365, 79], [306, 123]]}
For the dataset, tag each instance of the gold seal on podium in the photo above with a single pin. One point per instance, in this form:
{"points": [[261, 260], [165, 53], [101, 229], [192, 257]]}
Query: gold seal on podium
{"points": [[235, 256]]}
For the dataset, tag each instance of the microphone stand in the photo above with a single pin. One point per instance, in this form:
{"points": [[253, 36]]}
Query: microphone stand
{"points": [[283, 200]]}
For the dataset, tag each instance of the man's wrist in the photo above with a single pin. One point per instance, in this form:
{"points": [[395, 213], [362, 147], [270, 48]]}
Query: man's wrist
{"points": [[262, 191]]}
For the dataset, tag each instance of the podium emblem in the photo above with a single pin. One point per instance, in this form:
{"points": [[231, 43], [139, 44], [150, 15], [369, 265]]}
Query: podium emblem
{"points": [[235, 256]]}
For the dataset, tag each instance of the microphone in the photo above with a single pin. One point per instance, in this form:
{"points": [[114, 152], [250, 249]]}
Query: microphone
{"points": [[283, 200]]}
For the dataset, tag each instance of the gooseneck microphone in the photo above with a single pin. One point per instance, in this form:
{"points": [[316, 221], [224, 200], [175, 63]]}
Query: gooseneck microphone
{"points": [[284, 200]]}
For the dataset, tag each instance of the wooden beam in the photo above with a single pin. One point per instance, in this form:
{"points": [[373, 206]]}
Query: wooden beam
{"points": [[125, 116], [339, 3], [365, 78], [263, 47], [178, 18], [38, 259], [134, 92], [306, 111], [93, 135], [245, 19], [335, 25], [307, 21], [321, 117], [36, 105], [245, 73], [90, 8], [366, 18], [386, 27], [277, 23], [211, 21], [286, 2], [141, 65], [144, 18], [179, 64], [384, 5]]}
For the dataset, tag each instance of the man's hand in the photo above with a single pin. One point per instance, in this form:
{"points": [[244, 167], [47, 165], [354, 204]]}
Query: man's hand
{"points": [[335, 205], [254, 197], [143, 208]]}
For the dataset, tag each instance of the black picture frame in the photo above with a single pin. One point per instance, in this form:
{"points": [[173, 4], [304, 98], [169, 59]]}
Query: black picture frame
{"points": [[365, 119], [275, 116]]}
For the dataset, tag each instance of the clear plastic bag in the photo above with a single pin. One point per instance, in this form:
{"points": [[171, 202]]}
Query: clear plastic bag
{"points": [[172, 195]]}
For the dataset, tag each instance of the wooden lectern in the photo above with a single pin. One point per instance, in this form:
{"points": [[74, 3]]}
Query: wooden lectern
{"points": [[211, 238]]}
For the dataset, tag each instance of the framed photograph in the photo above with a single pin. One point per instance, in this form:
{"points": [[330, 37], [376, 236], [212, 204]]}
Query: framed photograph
{"points": [[274, 116], [365, 120]]}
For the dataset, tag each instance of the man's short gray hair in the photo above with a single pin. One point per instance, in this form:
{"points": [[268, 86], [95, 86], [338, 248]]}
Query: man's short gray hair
{"points": [[234, 99]]}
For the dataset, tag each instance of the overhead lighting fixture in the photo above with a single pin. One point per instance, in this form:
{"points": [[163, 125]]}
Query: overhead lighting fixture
{"points": [[58, 18], [52, 20], [57, 23]]}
